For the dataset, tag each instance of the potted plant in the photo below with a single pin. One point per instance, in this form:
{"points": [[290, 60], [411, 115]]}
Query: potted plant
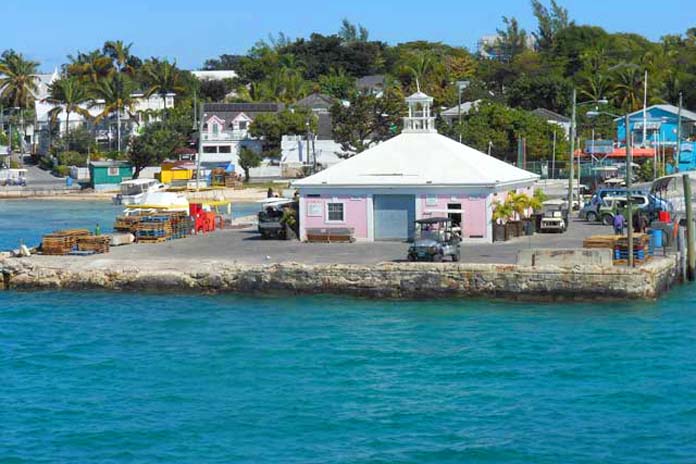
{"points": [[501, 215], [518, 205], [289, 221]]}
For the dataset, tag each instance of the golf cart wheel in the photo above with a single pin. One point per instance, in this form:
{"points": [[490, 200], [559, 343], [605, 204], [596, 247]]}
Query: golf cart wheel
{"points": [[591, 216], [437, 258], [411, 257], [607, 219], [455, 258]]}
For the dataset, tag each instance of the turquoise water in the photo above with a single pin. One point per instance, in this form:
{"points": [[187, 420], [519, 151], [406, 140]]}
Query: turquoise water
{"points": [[30, 220], [156, 378], [121, 378]]}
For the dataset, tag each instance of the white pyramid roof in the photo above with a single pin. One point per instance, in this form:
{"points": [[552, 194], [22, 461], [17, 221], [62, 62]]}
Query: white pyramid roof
{"points": [[420, 159]]}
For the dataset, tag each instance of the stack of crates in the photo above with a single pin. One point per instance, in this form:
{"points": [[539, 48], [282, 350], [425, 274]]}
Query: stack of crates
{"points": [[641, 249], [94, 243], [181, 224], [127, 223], [62, 242], [153, 229]]}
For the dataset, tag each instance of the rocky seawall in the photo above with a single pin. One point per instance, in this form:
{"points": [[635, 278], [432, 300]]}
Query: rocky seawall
{"points": [[392, 280]]}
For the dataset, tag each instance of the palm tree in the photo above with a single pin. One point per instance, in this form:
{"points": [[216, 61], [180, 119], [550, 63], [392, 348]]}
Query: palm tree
{"points": [[116, 92], [91, 66], [628, 87], [68, 94], [120, 53], [18, 82], [162, 77]]}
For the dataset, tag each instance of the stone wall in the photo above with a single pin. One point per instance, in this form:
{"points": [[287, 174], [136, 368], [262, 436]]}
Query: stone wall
{"points": [[398, 280]]}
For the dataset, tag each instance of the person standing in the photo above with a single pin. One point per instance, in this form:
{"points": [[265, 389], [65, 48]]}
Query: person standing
{"points": [[619, 223]]}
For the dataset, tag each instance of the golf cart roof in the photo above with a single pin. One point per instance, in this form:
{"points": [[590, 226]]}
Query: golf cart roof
{"points": [[433, 220]]}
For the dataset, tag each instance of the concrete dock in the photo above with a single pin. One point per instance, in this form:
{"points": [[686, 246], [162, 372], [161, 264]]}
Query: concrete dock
{"points": [[238, 261]]}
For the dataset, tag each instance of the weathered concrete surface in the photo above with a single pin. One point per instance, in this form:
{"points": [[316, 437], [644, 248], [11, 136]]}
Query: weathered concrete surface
{"points": [[392, 280], [565, 257]]}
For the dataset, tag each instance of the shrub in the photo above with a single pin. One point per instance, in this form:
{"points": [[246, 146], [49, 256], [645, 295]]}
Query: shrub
{"points": [[72, 158], [61, 170]]}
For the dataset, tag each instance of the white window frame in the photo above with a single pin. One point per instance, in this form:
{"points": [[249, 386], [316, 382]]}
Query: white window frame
{"points": [[334, 202], [315, 209], [111, 169]]}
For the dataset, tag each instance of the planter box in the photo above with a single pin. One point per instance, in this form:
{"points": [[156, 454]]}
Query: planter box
{"points": [[499, 232], [514, 229]]}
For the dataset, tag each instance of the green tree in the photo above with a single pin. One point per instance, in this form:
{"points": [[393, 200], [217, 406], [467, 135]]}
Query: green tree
{"points": [[162, 78], [350, 32], [89, 67], [156, 143], [511, 41], [17, 79], [366, 121], [117, 93], [68, 94], [18, 83], [271, 127], [337, 84], [550, 23], [248, 159]]}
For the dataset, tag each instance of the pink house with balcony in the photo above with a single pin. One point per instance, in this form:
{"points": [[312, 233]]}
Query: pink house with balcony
{"points": [[379, 193]]}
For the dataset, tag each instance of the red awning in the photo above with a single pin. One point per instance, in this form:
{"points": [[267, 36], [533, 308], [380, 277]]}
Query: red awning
{"points": [[621, 153]]}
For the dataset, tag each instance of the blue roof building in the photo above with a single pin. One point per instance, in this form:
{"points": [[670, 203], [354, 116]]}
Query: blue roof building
{"points": [[661, 125]]}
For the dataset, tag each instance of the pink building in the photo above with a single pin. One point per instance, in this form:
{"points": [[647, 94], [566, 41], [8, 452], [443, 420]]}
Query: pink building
{"points": [[380, 192]]}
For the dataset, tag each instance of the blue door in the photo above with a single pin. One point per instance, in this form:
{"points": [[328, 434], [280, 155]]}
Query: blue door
{"points": [[394, 216]]}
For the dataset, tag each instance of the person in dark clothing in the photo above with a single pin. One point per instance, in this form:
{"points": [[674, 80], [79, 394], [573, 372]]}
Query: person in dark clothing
{"points": [[269, 194]]}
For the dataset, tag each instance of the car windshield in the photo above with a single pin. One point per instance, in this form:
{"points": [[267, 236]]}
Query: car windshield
{"points": [[434, 231]]}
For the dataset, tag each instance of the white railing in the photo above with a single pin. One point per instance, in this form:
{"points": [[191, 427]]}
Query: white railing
{"points": [[227, 135]]}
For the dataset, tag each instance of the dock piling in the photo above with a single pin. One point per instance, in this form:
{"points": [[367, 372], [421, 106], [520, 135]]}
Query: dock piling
{"points": [[690, 256]]}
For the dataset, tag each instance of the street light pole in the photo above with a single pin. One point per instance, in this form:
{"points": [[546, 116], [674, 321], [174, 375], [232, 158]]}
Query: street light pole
{"points": [[629, 176], [572, 152]]}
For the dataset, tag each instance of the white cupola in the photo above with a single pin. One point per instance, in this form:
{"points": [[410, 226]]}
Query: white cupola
{"points": [[420, 118]]}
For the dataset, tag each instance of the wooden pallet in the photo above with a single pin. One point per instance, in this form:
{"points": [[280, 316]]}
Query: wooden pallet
{"points": [[153, 239]]}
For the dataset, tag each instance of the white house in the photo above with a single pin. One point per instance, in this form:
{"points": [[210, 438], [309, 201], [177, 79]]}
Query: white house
{"points": [[380, 192], [226, 131]]}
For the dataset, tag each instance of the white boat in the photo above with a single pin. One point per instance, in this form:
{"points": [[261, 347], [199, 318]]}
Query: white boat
{"points": [[153, 202], [133, 192]]}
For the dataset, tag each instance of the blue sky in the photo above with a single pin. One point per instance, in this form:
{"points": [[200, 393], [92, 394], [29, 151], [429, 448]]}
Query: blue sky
{"points": [[190, 32]]}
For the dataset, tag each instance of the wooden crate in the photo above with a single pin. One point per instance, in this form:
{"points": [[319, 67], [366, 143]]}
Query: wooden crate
{"points": [[600, 241], [94, 243], [62, 242]]}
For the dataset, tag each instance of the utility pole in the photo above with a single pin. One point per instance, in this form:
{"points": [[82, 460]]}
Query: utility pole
{"points": [[629, 203], [690, 256], [572, 152], [200, 150], [645, 108], [679, 131], [553, 154]]}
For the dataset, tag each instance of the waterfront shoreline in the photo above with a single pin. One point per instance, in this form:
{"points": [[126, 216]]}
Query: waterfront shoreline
{"points": [[384, 280], [234, 196]]}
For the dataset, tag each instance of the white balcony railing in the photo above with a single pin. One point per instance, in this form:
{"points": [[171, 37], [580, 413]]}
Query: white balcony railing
{"points": [[226, 136]]}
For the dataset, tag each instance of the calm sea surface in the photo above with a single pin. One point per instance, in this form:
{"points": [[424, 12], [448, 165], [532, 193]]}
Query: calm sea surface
{"points": [[121, 378]]}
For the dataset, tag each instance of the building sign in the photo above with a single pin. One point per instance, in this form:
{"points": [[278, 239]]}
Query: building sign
{"points": [[315, 210], [431, 200]]}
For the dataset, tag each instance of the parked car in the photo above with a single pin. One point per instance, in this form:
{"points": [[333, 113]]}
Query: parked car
{"points": [[555, 216], [434, 241]]}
